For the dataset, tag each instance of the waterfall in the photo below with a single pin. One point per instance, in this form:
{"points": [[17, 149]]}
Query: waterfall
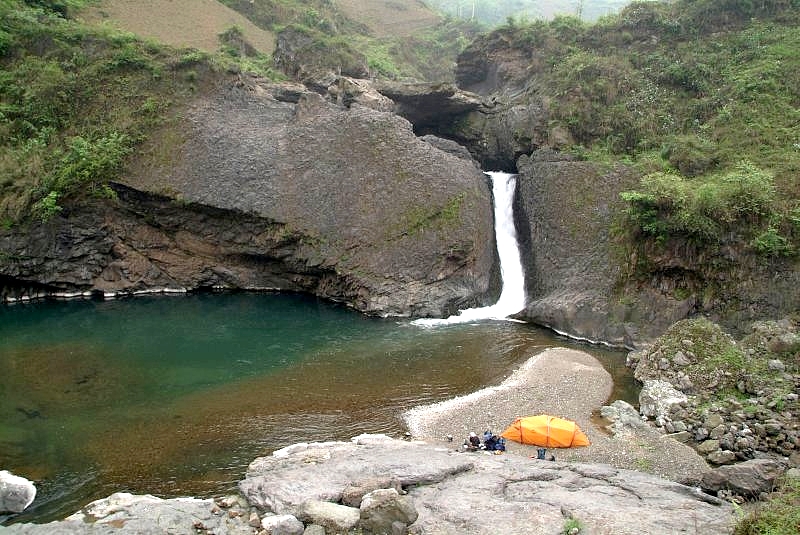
{"points": [[512, 296]]}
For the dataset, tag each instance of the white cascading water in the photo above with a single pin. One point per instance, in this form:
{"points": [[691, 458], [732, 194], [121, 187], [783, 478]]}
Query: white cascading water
{"points": [[512, 296]]}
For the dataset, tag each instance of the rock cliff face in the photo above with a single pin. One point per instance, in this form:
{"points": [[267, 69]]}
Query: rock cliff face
{"points": [[578, 279], [565, 210], [277, 187]]}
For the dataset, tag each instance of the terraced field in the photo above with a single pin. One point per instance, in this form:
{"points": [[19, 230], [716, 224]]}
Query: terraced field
{"points": [[390, 17], [180, 23]]}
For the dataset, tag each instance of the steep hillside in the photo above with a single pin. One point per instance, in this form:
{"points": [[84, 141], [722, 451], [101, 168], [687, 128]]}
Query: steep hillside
{"points": [[179, 23]]}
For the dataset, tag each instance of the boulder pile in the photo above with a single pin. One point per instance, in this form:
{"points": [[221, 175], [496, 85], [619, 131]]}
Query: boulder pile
{"points": [[734, 402]]}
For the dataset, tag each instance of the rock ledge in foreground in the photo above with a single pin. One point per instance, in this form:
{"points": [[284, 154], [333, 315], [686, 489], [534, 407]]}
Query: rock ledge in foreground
{"points": [[420, 489]]}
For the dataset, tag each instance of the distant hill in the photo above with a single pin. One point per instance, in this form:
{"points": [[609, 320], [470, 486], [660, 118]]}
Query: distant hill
{"points": [[180, 23], [494, 12], [390, 17]]}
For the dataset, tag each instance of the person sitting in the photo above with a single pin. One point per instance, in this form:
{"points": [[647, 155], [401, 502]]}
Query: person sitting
{"points": [[473, 443]]}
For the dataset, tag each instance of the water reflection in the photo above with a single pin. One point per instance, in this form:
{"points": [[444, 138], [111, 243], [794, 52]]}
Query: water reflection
{"points": [[175, 396]]}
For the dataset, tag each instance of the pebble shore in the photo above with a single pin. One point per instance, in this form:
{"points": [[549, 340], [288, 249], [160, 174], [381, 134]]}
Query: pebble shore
{"points": [[562, 382]]}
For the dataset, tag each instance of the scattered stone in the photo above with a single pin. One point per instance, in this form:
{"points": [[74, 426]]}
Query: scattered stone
{"points": [[254, 520], [776, 365], [721, 457], [282, 525], [353, 494], [333, 517], [226, 502], [713, 421], [384, 510], [681, 436], [708, 446], [622, 416], [680, 359]]}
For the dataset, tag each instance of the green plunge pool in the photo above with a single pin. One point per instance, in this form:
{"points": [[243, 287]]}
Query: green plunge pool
{"points": [[176, 395]]}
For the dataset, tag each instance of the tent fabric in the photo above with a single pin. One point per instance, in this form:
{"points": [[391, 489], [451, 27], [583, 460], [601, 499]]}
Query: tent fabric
{"points": [[546, 431]]}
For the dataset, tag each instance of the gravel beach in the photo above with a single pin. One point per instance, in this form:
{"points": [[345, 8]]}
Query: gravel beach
{"points": [[566, 383]]}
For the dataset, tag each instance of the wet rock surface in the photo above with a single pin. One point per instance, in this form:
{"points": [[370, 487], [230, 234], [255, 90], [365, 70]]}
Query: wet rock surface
{"points": [[16, 493]]}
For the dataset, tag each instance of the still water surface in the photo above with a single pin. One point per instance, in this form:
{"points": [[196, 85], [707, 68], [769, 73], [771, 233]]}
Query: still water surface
{"points": [[176, 395]]}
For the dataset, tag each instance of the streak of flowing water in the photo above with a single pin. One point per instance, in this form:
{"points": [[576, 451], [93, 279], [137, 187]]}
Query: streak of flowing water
{"points": [[512, 296]]}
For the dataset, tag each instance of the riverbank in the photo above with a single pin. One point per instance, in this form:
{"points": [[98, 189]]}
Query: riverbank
{"points": [[566, 383]]}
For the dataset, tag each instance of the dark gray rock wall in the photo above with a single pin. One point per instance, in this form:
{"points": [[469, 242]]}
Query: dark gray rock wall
{"points": [[565, 211], [295, 193]]}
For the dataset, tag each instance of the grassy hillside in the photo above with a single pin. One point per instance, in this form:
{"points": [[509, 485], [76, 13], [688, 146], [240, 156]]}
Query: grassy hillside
{"points": [[399, 40], [390, 18], [393, 39], [76, 100], [179, 23]]}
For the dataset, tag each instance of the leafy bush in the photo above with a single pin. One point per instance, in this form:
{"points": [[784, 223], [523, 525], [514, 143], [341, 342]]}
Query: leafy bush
{"points": [[748, 193], [668, 205], [47, 206], [691, 155], [771, 243], [88, 162]]}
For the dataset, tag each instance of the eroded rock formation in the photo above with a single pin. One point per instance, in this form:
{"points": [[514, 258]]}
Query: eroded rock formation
{"points": [[277, 187]]}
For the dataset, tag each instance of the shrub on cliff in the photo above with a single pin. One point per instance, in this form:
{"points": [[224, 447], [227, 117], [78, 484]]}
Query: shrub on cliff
{"points": [[742, 200]]}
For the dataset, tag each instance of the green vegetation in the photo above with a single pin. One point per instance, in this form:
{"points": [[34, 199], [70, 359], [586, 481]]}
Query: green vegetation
{"points": [[75, 101], [743, 199], [779, 516], [702, 96], [419, 218], [323, 37], [571, 526]]}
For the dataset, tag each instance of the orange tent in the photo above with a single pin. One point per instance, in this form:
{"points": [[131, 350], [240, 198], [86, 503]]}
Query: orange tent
{"points": [[546, 431]]}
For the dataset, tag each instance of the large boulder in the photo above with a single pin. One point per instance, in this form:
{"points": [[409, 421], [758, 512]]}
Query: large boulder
{"points": [[657, 398], [276, 187], [446, 492], [282, 484], [16, 493], [749, 478]]}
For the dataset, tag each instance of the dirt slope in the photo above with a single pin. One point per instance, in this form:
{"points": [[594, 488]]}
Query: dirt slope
{"points": [[180, 23], [390, 17]]}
